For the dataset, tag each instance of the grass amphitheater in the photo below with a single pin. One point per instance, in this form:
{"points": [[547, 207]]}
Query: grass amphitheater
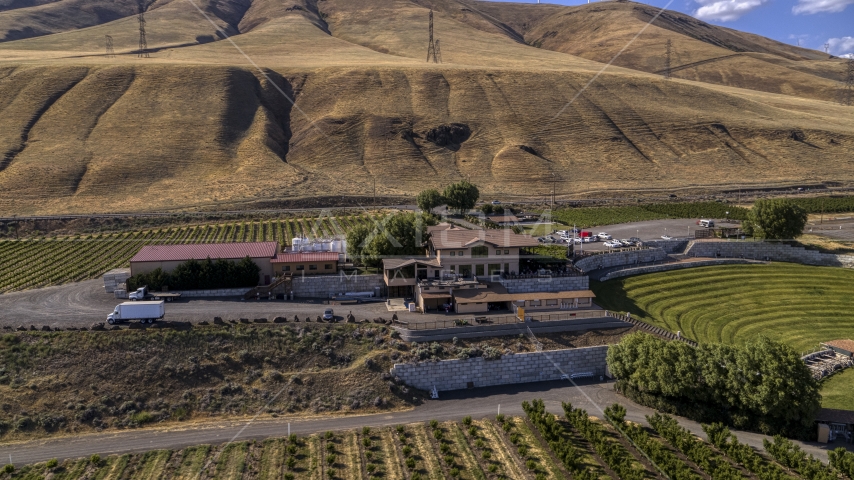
{"points": [[795, 304], [41, 261]]}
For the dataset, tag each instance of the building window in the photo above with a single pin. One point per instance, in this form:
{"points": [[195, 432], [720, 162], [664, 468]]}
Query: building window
{"points": [[551, 302], [453, 254], [506, 252], [286, 268], [478, 270], [312, 267], [480, 252], [535, 303], [460, 253], [300, 267], [328, 266], [497, 251]]}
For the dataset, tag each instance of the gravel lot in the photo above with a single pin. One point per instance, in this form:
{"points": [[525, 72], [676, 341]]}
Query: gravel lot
{"points": [[82, 304]]}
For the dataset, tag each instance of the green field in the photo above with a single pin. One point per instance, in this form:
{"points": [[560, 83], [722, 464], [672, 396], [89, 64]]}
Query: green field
{"points": [[41, 261], [795, 304]]}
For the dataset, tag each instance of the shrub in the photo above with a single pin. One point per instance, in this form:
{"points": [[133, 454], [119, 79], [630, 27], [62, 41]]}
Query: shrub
{"points": [[142, 418], [291, 462], [52, 463], [455, 472], [95, 459], [8, 468], [407, 450], [410, 463], [371, 468], [500, 418], [434, 424], [289, 476], [467, 421], [531, 465]]}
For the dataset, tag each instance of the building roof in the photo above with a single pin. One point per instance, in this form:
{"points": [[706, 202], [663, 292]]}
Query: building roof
{"points": [[393, 263], [497, 293], [462, 238], [201, 251], [302, 257], [847, 345], [436, 295], [831, 415]]}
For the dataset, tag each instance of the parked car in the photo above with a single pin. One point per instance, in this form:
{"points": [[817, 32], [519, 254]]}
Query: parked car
{"points": [[496, 202], [613, 244], [576, 240], [666, 237], [604, 236], [625, 242], [706, 223], [588, 239], [635, 240], [328, 314]]}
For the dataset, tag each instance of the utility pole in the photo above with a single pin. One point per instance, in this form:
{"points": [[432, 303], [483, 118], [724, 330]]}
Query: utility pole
{"points": [[375, 191], [431, 46], [554, 188], [826, 47], [667, 68], [847, 92], [108, 41], [143, 42]]}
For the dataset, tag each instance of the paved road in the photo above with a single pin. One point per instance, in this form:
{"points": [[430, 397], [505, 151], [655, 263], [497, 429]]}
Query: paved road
{"points": [[479, 403]]}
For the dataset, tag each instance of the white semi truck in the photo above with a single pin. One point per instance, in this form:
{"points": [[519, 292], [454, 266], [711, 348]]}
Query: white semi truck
{"points": [[145, 312]]}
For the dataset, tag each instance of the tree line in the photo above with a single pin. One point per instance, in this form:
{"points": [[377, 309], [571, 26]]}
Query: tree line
{"points": [[762, 385], [200, 275]]}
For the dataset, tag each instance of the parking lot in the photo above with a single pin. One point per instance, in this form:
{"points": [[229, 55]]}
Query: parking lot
{"points": [[647, 230]]}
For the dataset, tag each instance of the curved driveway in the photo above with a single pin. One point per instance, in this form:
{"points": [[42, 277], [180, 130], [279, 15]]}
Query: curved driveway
{"points": [[479, 403]]}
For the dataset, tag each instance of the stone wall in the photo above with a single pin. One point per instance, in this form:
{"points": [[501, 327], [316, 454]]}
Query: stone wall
{"points": [[511, 329], [672, 266], [618, 259], [546, 284], [669, 246], [114, 278], [517, 368], [220, 292], [774, 251], [325, 286]]}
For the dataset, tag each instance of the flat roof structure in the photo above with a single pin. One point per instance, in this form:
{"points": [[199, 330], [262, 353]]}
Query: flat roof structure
{"points": [[451, 238], [497, 293], [845, 347]]}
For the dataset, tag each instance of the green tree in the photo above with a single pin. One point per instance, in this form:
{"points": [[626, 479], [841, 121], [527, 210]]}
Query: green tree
{"points": [[399, 235], [776, 219], [429, 199], [461, 196]]}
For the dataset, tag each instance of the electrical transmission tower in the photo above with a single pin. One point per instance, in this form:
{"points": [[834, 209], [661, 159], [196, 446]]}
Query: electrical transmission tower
{"points": [[431, 47], [826, 47], [143, 43], [847, 93], [667, 67], [438, 51], [109, 43]]}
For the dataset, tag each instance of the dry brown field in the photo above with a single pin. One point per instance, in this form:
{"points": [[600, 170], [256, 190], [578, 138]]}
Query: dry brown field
{"points": [[207, 122]]}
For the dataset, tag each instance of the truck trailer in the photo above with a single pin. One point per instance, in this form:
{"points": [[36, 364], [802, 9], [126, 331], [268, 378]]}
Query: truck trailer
{"points": [[145, 312]]}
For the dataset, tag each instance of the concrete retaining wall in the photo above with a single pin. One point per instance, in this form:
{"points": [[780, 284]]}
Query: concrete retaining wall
{"points": [[325, 286], [114, 278], [669, 246], [482, 331], [546, 284], [777, 252], [221, 292], [672, 266], [518, 368], [617, 259]]}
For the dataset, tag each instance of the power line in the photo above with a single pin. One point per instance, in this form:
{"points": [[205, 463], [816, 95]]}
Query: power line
{"points": [[438, 51], [431, 46], [667, 67], [109, 44], [143, 42]]}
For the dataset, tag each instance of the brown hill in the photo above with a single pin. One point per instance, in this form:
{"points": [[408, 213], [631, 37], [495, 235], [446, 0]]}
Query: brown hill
{"points": [[197, 125]]}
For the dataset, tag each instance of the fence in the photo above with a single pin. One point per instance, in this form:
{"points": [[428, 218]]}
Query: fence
{"points": [[549, 274], [502, 320], [652, 329]]}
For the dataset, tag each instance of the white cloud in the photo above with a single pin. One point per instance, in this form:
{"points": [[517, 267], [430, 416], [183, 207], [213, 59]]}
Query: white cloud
{"points": [[841, 47], [847, 55], [810, 7], [726, 10]]}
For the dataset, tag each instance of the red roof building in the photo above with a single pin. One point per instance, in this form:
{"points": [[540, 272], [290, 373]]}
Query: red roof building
{"points": [[167, 257], [305, 263]]}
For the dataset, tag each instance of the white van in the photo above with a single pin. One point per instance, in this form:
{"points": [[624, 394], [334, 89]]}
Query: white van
{"points": [[707, 223]]}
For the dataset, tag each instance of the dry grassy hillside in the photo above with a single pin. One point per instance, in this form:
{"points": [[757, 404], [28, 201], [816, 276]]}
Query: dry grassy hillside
{"points": [[198, 126]]}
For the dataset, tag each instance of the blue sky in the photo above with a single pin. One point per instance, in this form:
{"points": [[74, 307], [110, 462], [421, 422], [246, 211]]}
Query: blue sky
{"points": [[813, 22]]}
